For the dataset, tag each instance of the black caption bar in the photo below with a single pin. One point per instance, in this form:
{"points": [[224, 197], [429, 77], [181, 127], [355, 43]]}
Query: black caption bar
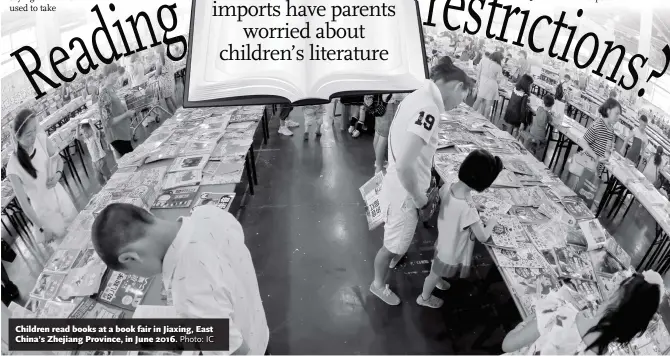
{"points": [[118, 334]]}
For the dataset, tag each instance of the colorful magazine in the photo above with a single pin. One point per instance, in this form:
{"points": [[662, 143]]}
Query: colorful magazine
{"points": [[519, 166], [610, 283], [182, 179], [528, 215], [530, 284], [490, 206], [585, 294], [189, 163], [165, 151], [47, 285], [212, 136], [526, 255], [553, 196], [604, 263], [506, 233], [574, 263], [226, 171], [61, 260], [123, 290], [222, 201], [176, 198], [81, 282], [506, 179], [576, 237], [88, 308], [575, 206], [76, 239], [198, 148]]}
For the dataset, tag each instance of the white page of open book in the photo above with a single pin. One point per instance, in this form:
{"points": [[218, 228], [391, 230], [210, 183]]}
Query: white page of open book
{"points": [[398, 34], [240, 78], [212, 78]]}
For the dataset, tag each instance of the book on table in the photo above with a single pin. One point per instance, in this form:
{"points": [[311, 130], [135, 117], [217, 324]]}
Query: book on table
{"points": [[389, 56]]}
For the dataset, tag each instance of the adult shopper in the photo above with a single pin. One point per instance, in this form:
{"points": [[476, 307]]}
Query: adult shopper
{"points": [[413, 138], [114, 114], [205, 265]]}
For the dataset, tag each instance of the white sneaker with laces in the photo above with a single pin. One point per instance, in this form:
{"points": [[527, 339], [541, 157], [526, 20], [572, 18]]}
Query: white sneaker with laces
{"points": [[432, 302], [291, 124], [283, 130], [385, 294]]}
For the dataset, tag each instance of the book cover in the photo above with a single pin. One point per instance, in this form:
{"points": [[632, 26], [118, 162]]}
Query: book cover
{"points": [[585, 294], [528, 215], [220, 200], [549, 193], [507, 179], [617, 251], [87, 258], [575, 206], [574, 263], [57, 310], [83, 281], [490, 206], [518, 166], [530, 284], [594, 234], [536, 235], [604, 263], [123, 290], [189, 163], [610, 283], [210, 135], [182, 179], [370, 193], [47, 285], [198, 148], [164, 152], [576, 237], [61, 260], [526, 255], [176, 198], [212, 82], [506, 233], [236, 148], [88, 308], [225, 171], [76, 239], [34, 305]]}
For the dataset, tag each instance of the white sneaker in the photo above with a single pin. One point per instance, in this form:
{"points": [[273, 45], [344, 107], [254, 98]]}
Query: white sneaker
{"points": [[385, 295], [395, 260], [283, 130], [355, 134], [351, 129], [291, 124], [432, 302]]}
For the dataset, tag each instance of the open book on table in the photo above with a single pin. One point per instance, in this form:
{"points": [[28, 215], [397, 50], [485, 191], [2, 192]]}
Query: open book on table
{"points": [[211, 81]]}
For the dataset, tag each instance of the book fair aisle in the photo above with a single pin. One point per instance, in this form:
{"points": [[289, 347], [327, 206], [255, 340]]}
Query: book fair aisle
{"points": [[545, 227]]}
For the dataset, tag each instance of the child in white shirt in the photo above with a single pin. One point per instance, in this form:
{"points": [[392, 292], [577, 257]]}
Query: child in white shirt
{"points": [[459, 224], [90, 135]]}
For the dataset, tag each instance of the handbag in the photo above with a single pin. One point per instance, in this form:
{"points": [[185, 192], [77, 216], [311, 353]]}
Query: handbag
{"points": [[427, 212]]}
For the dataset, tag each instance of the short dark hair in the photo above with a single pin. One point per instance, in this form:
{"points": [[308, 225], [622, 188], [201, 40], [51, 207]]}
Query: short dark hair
{"points": [[480, 169], [524, 54], [643, 118], [549, 100], [496, 57], [524, 83], [445, 70], [607, 106], [117, 226], [567, 76], [613, 94]]}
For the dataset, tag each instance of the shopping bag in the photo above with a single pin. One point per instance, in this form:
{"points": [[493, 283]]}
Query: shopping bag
{"points": [[370, 192], [581, 162]]}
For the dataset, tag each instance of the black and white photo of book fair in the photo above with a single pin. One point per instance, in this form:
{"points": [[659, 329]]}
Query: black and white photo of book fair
{"points": [[353, 177]]}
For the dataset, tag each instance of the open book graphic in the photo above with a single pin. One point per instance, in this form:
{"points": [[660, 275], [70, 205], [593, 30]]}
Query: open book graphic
{"points": [[211, 81]]}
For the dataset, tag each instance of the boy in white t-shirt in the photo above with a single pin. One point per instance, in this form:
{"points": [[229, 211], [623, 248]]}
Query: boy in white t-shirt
{"points": [[412, 145]]}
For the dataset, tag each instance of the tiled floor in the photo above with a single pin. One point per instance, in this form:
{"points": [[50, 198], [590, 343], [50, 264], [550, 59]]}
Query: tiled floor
{"points": [[313, 253]]}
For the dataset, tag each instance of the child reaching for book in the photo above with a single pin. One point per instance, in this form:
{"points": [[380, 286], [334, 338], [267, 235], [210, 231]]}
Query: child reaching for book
{"points": [[91, 137], [313, 114], [458, 224]]}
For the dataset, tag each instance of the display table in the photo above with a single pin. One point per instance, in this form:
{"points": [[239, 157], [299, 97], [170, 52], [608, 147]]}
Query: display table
{"points": [[526, 238]]}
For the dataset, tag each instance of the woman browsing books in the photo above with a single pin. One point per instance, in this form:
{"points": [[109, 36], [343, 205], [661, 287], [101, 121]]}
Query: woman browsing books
{"points": [[114, 114], [34, 170]]}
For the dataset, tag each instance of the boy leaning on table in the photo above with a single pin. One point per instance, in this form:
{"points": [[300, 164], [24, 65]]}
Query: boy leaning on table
{"points": [[203, 261]]}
